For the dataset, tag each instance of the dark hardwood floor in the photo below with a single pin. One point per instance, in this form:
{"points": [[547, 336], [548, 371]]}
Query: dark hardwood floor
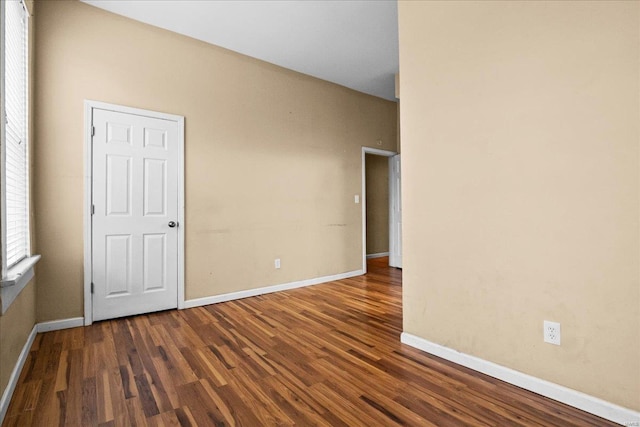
{"points": [[326, 355]]}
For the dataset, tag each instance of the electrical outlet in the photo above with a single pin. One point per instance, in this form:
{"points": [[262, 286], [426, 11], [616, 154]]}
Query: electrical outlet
{"points": [[277, 263], [552, 332]]}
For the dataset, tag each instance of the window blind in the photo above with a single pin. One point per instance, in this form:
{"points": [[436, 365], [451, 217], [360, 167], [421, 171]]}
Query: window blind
{"points": [[15, 99]]}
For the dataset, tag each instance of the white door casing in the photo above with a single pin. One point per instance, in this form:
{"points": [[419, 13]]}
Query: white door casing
{"points": [[395, 212], [390, 155], [136, 239]]}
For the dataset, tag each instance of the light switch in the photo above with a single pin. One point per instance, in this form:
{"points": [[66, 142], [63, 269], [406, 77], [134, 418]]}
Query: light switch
{"points": [[357, 198]]}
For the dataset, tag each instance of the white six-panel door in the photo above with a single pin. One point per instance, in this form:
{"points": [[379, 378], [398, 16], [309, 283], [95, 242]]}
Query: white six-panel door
{"points": [[135, 214]]}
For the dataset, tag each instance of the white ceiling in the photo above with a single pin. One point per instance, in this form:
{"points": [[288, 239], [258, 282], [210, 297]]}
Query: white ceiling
{"points": [[351, 43]]}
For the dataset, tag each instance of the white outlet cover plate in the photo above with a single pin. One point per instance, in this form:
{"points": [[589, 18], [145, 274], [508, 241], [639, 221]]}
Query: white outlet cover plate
{"points": [[552, 332]]}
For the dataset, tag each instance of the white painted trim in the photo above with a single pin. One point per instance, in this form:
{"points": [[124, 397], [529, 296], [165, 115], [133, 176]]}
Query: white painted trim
{"points": [[3, 155], [545, 388], [17, 369], [88, 197], [15, 374], [363, 198], [395, 215], [181, 210], [56, 325], [268, 289], [378, 152], [15, 274], [131, 110], [378, 255], [89, 106], [19, 277]]}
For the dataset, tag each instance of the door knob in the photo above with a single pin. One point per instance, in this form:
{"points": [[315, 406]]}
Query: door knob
{"points": [[172, 224]]}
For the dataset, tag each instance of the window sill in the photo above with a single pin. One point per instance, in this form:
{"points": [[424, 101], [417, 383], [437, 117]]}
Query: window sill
{"points": [[17, 278]]}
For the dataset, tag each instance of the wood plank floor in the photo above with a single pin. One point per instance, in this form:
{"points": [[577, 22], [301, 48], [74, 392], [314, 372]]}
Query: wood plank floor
{"points": [[327, 355]]}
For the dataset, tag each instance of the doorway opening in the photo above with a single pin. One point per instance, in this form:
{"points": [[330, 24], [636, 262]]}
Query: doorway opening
{"points": [[381, 216]]}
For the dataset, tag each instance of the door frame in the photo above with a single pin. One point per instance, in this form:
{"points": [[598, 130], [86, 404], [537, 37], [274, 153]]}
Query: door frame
{"points": [[395, 192], [89, 106], [378, 152]]}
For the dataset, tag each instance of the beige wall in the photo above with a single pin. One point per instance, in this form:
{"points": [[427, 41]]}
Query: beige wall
{"points": [[15, 326], [520, 139], [377, 177], [272, 156]]}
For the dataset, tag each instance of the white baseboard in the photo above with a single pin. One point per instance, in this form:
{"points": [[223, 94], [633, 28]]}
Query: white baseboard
{"points": [[56, 325], [548, 389], [17, 369], [15, 374], [378, 255], [268, 289]]}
